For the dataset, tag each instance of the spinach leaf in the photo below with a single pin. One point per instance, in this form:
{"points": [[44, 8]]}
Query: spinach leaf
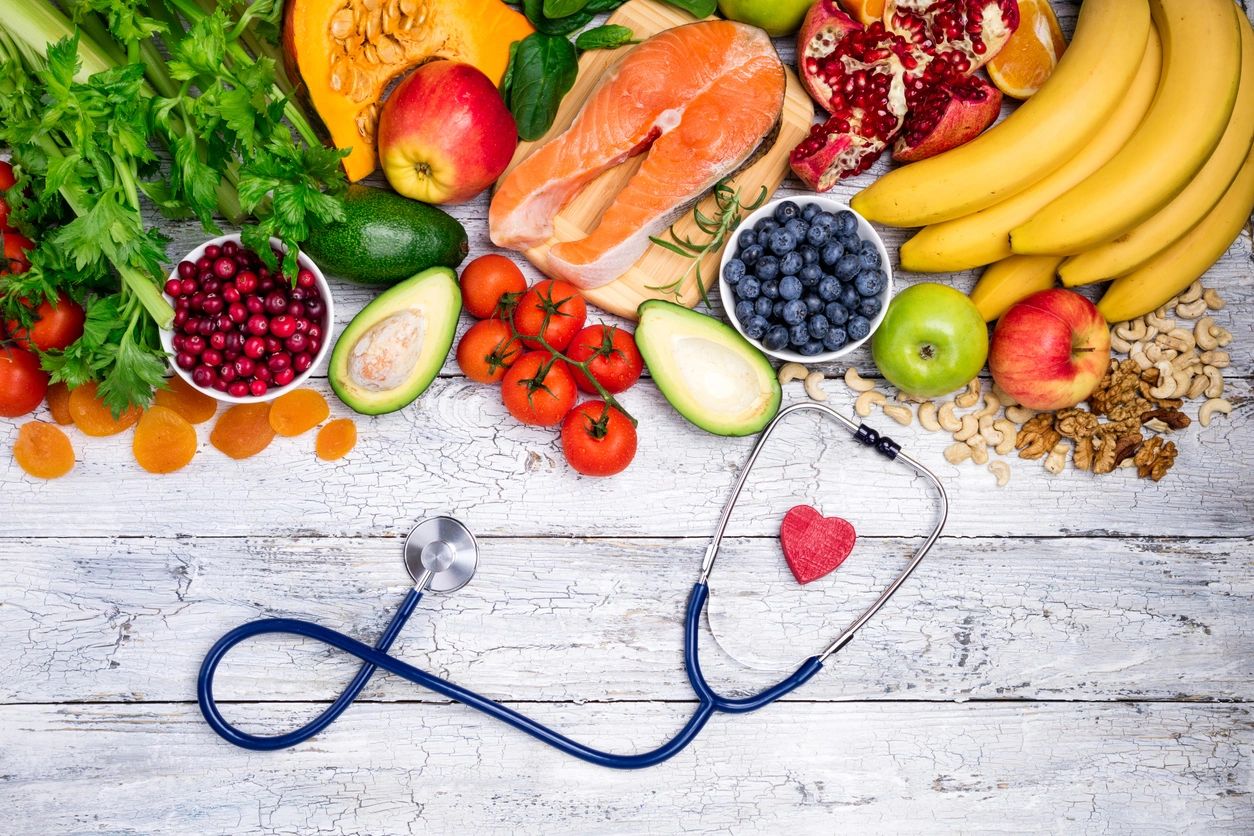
{"points": [[603, 5], [544, 70], [507, 80], [610, 36], [696, 8], [562, 8], [534, 10]]}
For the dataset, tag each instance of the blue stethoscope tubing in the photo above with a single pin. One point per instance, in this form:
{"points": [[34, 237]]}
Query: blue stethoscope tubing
{"points": [[708, 700]]}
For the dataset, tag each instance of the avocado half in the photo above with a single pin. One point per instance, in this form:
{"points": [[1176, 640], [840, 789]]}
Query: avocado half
{"points": [[711, 375], [392, 350]]}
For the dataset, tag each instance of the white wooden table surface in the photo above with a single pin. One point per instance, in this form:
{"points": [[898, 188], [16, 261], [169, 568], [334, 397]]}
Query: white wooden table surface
{"points": [[1077, 653]]}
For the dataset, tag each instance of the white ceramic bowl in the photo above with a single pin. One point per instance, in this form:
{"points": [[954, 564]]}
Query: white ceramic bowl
{"points": [[167, 335], [865, 231]]}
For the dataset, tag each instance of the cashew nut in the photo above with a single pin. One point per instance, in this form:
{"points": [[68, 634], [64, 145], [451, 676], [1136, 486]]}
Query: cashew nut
{"points": [[970, 426], [1180, 339], [1192, 293], [992, 405], [1057, 458], [945, 416], [971, 396], [1197, 386], [1019, 414], [1215, 380], [1009, 435], [1185, 361], [1005, 397], [857, 382], [1191, 310], [927, 417], [1222, 335], [1132, 330], [979, 450], [1119, 344], [1156, 319], [814, 386], [1203, 336], [1001, 470], [1157, 354], [1140, 359], [1166, 387], [867, 400], [1218, 359], [792, 371], [1183, 378], [1213, 299], [989, 432], [1208, 410], [901, 414], [957, 453]]}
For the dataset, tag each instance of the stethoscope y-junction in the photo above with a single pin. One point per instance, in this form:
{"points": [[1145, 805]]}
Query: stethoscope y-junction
{"points": [[441, 556]]}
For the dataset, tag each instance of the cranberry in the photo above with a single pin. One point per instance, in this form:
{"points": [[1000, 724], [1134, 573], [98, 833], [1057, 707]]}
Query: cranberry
{"points": [[296, 310], [211, 357], [282, 326], [207, 327], [227, 372], [237, 312], [302, 325], [198, 300], [257, 388], [230, 292], [298, 294], [254, 347], [188, 286], [185, 361], [204, 263], [279, 362], [219, 384], [254, 304], [246, 281], [265, 286], [296, 343], [224, 268], [273, 344], [314, 344], [213, 251], [234, 341], [217, 341], [192, 325], [213, 304], [172, 287], [194, 345], [258, 324], [187, 269], [305, 278], [244, 367], [284, 377], [211, 286], [180, 316], [238, 389], [276, 302], [301, 362], [314, 332], [314, 308], [178, 341], [231, 249], [203, 376], [262, 373]]}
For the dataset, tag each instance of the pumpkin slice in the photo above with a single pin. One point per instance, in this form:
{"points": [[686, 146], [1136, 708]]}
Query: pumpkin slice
{"points": [[345, 53]]}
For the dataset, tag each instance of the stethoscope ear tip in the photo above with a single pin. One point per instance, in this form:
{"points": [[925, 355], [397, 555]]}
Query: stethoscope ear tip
{"points": [[441, 555]]}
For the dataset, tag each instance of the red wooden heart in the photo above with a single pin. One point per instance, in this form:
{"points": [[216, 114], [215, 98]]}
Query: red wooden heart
{"points": [[814, 544]]}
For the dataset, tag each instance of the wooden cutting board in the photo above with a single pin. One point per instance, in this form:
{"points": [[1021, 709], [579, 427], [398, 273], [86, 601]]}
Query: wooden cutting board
{"points": [[658, 266]]}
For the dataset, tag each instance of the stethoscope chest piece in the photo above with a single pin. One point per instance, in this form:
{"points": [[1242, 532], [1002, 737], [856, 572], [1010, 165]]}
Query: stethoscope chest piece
{"points": [[441, 554]]}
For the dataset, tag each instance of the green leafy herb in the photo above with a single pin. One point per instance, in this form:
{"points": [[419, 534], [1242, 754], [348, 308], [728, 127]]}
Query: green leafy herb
{"points": [[610, 36], [542, 72], [562, 8], [546, 25]]}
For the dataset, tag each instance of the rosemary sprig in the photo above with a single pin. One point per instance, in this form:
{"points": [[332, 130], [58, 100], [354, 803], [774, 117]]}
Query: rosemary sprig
{"points": [[727, 215]]}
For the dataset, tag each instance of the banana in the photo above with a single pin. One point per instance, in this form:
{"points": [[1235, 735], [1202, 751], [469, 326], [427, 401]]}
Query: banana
{"points": [[1201, 70], [984, 237], [1012, 279], [1175, 268], [1047, 130], [1134, 248]]}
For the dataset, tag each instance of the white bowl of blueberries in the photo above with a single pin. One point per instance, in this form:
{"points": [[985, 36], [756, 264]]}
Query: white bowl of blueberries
{"points": [[806, 279]]}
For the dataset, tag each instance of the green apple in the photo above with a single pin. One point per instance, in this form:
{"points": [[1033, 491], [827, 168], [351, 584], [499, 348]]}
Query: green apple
{"points": [[777, 17], [932, 340]]}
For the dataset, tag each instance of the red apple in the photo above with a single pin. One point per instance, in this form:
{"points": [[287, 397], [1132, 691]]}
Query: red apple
{"points": [[445, 134], [1050, 350]]}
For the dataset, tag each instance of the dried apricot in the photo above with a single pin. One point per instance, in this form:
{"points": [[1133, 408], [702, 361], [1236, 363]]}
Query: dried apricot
{"points": [[298, 411], [243, 430], [336, 439], [92, 417], [164, 441], [58, 399], [196, 407], [43, 450]]}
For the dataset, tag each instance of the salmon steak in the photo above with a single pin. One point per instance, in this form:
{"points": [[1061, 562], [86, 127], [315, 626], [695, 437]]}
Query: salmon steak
{"points": [[698, 100]]}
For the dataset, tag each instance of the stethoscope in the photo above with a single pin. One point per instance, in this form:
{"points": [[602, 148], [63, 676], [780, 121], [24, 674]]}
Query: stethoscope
{"points": [[441, 556]]}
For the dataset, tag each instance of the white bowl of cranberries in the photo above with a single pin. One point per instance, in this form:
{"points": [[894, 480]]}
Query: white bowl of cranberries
{"points": [[243, 333]]}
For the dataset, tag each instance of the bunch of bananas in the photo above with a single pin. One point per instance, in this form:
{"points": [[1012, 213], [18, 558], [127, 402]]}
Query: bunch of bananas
{"points": [[1133, 162]]}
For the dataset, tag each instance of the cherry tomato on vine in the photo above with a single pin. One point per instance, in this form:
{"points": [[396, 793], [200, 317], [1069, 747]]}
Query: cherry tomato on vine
{"points": [[538, 389], [598, 440], [485, 280], [22, 383], [15, 248], [612, 357], [6, 182], [487, 350], [54, 326], [560, 304]]}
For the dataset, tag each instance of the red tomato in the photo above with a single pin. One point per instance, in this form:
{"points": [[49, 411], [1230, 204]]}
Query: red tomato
{"points": [[22, 383], [538, 389], [486, 280], [15, 248], [6, 182], [554, 307], [612, 358], [598, 440], [487, 350], [55, 326]]}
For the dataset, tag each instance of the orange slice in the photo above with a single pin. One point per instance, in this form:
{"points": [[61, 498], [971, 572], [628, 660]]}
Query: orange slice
{"points": [[1029, 57], [864, 11]]}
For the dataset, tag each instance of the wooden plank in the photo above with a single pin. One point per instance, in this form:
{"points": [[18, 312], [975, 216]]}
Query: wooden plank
{"points": [[1050, 768], [1073, 618]]}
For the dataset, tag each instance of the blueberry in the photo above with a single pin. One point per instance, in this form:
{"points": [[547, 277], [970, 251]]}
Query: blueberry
{"points": [[846, 267], [767, 268], [858, 327], [761, 306], [818, 235], [824, 219], [786, 211], [812, 348], [836, 313], [777, 309], [809, 255], [868, 247], [849, 298], [869, 282], [756, 327], [835, 339], [767, 225], [794, 312], [750, 255], [870, 306], [764, 237], [809, 211], [846, 223], [770, 289], [776, 338], [745, 310], [782, 241], [746, 238], [819, 326], [851, 243], [810, 275], [813, 303], [829, 289], [790, 287], [734, 271], [830, 255], [799, 334], [749, 288], [791, 264]]}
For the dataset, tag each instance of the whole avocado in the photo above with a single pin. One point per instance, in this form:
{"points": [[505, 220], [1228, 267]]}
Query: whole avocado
{"points": [[385, 238]]}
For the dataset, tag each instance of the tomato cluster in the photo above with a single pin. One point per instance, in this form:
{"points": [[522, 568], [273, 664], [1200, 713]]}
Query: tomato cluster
{"points": [[534, 343]]}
